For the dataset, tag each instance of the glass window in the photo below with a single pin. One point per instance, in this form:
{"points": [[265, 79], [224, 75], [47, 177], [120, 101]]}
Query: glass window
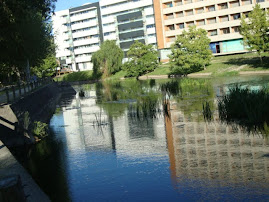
{"points": [[224, 18], [189, 12], [199, 10], [210, 8], [181, 26], [200, 22], [179, 14], [211, 20], [234, 4], [225, 30], [212, 32], [223, 6], [236, 16]]}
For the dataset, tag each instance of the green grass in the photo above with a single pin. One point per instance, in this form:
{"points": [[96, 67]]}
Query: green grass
{"points": [[161, 70], [118, 75], [77, 76]]}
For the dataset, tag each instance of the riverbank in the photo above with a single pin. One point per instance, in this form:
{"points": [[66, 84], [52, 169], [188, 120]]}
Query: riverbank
{"points": [[221, 66], [9, 166]]}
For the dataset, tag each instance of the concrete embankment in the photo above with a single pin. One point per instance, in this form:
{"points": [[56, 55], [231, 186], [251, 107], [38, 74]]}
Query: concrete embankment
{"points": [[17, 120], [9, 166]]}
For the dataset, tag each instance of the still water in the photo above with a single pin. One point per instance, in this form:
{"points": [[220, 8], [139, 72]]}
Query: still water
{"points": [[148, 141]]}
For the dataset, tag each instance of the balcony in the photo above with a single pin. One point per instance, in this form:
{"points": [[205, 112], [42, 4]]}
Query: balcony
{"points": [[86, 41], [84, 16], [90, 32], [82, 25], [91, 49]]}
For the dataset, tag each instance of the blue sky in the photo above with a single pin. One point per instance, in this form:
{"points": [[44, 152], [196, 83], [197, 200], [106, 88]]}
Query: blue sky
{"points": [[66, 4]]}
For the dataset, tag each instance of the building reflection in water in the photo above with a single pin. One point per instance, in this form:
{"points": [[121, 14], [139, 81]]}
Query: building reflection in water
{"points": [[127, 135], [215, 152]]}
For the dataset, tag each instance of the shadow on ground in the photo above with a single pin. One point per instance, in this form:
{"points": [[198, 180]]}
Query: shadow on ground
{"points": [[253, 62]]}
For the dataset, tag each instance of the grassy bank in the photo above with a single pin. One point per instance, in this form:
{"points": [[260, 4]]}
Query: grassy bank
{"points": [[229, 65], [77, 76]]}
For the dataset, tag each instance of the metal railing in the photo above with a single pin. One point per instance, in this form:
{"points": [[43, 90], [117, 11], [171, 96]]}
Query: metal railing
{"points": [[12, 93]]}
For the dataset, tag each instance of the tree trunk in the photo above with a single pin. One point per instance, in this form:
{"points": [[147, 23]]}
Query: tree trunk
{"points": [[260, 56]]}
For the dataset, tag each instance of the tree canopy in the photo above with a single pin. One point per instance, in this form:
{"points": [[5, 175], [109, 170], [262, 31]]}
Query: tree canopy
{"points": [[108, 59], [25, 33], [142, 59], [190, 52], [255, 29]]}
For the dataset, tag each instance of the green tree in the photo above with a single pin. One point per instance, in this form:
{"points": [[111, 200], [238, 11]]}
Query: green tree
{"points": [[190, 52], [108, 59], [142, 59], [255, 30], [25, 33], [46, 68]]}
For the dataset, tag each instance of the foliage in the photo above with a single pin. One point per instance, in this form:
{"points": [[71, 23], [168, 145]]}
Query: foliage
{"points": [[40, 129], [78, 76], [190, 52], [108, 59], [46, 68], [142, 59], [245, 107], [25, 33], [255, 30]]}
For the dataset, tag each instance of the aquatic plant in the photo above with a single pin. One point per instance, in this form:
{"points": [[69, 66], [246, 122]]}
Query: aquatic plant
{"points": [[40, 129], [207, 112], [245, 107]]}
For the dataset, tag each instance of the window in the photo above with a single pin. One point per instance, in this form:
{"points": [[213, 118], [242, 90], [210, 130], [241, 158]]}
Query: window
{"points": [[246, 14], [199, 10], [211, 20], [169, 5], [181, 26], [223, 6], [212, 32], [150, 26], [170, 27], [187, 1], [179, 14], [236, 29], [169, 16], [210, 8], [246, 2], [224, 18], [190, 24], [259, 1], [236, 16], [178, 3], [225, 30], [189, 12], [234, 4], [170, 39], [200, 22]]}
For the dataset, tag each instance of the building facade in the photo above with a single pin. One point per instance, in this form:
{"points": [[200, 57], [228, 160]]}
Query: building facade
{"points": [[220, 18], [78, 34], [80, 31]]}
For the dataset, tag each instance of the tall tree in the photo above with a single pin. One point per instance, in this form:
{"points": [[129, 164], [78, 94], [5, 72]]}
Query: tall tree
{"points": [[24, 31], [255, 29], [108, 59], [190, 52], [142, 59]]}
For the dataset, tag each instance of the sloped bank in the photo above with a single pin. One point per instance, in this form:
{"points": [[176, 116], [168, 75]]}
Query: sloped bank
{"points": [[38, 106]]}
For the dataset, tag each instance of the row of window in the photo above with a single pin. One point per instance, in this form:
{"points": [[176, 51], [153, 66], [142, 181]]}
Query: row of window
{"points": [[221, 6], [214, 32], [86, 37], [109, 33], [85, 20], [82, 12], [83, 55], [213, 20], [127, 11], [132, 38], [118, 4], [86, 46], [85, 29]]}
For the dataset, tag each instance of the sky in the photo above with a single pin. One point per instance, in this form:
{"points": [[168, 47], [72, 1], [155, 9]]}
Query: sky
{"points": [[66, 4]]}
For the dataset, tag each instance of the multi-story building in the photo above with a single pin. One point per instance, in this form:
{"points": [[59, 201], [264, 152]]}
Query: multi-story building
{"points": [[128, 20], [79, 31], [78, 34], [220, 18]]}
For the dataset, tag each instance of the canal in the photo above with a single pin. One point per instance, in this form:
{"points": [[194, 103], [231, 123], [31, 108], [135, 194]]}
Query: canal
{"points": [[149, 140]]}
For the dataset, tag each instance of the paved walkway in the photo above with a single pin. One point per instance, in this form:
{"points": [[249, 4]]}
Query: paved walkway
{"points": [[10, 166]]}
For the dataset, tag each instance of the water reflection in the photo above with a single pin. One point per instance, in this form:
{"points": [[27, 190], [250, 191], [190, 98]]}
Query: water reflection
{"points": [[147, 140]]}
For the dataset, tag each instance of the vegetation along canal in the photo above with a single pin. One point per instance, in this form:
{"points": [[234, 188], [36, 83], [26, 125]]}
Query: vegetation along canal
{"points": [[160, 140]]}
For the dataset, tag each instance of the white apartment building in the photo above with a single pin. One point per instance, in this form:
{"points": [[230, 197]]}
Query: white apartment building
{"points": [[128, 20], [220, 18], [80, 31], [78, 34]]}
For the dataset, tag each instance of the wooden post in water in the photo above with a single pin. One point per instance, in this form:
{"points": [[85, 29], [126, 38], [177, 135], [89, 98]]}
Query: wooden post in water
{"points": [[13, 91], [7, 95]]}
